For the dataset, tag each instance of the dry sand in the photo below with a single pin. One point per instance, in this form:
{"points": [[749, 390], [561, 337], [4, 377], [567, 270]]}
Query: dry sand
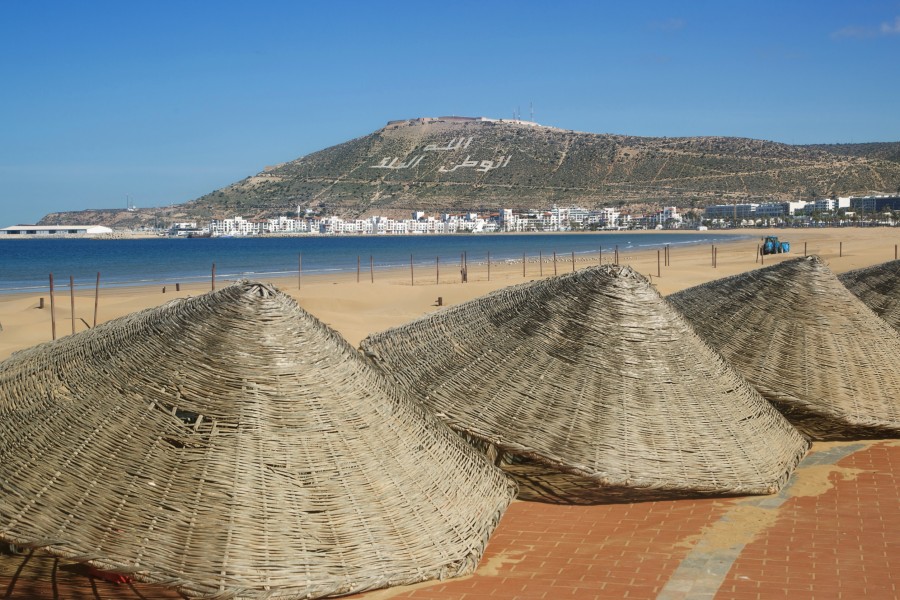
{"points": [[358, 309]]}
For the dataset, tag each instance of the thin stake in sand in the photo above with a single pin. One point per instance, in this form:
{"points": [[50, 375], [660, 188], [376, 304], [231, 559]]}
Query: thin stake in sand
{"points": [[97, 297], [72, 298], [52, 309]]}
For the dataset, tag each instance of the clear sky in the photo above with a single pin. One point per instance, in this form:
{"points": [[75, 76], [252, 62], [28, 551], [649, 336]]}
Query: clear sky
{"points": [[161, 102]]}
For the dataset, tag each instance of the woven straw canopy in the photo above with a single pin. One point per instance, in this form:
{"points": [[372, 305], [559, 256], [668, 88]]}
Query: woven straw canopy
{"points": [[807, 344], [588, 388], [879, 288], [232, 445]]}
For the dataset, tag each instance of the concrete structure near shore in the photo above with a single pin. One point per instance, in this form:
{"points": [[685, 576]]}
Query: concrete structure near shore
{"points": [[60, 230]]}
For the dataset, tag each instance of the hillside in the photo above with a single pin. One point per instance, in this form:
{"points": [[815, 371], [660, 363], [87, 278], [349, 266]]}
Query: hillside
{"points": [[452, 164]]}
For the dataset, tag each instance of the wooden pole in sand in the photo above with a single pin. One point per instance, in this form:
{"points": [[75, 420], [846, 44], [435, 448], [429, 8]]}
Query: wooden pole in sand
{"points": [[541, 263], [573, 261], [554, 263], [617, 255], [712, 254], [658, 271], [523, 264], [600, 257], [214, 276], [804, 248], [372, 268], [437, 269], [72, 298], [715, 258], [895, 251], [52, 309], [489, 265], [97, 298], [412, 276], [756, 258], [841, 249]]}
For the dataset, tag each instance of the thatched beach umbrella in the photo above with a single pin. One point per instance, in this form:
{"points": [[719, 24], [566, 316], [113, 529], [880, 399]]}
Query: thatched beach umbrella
{"points": [[588, 388], [879, 288], [232, 445], [807, 344]]}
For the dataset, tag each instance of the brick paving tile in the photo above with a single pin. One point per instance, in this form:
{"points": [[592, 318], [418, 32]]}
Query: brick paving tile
{"points": [[839, 541]]}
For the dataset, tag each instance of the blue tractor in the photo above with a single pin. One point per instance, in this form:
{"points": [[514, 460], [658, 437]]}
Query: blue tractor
{"points": [[771, 245]]}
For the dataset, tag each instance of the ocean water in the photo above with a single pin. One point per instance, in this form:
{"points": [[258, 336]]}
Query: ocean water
{"points": [[25, 265]]}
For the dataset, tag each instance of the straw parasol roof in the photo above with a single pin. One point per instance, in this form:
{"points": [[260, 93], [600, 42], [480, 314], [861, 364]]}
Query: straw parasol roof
{"points": [[879, 288], [232, 445], [588, 387], [807, 344]]}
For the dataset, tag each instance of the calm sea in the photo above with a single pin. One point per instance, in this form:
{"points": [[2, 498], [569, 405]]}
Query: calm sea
{"points": [[25, 265]]}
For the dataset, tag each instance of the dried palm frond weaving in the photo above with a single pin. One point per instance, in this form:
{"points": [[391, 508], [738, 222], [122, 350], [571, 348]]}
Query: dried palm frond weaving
{"points": [[231, 445], [825, 360], [589, 388], [879, 289]]}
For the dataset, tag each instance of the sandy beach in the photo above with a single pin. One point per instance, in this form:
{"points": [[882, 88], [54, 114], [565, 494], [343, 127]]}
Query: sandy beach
{"points": [[356, 309]]}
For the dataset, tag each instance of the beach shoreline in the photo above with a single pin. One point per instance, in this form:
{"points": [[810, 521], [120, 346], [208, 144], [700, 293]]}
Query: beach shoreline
{"points": [[358, 307]]}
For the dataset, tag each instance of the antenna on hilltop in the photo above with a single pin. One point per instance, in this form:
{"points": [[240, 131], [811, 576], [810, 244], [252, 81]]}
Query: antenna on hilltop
{"points": [[531, 106]]}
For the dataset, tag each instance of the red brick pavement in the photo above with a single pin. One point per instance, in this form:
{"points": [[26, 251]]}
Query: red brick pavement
{"points": [[839, 544], [609, 551]]}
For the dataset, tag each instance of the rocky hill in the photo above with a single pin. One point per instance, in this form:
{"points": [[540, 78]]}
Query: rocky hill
{"points": [[451, 164]]}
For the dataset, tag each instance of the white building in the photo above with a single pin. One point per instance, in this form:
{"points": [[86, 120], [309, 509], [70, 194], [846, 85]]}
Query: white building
{"points": [[821, 205], [771, 209], [234, 226], [55, 230], [726, 211], [669, 217]]}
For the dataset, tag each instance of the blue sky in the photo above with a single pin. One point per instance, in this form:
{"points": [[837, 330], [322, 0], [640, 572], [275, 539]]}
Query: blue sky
{"points": [[162, 102]]}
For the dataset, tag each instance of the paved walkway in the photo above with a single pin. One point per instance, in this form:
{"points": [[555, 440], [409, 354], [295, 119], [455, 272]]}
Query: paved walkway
{"points": [[833, 532]]}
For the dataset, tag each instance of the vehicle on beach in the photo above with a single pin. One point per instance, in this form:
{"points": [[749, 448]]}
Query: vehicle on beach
{"points": [[771, 245]]}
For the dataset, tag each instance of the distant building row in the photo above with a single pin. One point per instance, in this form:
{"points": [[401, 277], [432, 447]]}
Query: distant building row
{"points": [[862, 204], [555, 219]]}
